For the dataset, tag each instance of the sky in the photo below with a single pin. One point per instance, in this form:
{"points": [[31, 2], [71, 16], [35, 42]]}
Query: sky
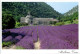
{"points": [[62, 7]]}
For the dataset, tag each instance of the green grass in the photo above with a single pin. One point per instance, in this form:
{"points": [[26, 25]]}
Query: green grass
{"points": [[75, 21], [6, 43], [67, 22], [19, 47], [59, 24]]}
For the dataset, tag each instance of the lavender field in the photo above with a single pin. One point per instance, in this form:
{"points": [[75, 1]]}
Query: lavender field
{"points": [[49, 37]]}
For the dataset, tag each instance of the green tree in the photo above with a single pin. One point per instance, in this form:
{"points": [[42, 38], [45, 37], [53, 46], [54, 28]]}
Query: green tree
{"points": [[37, 9], [7, 21], [52, 22]]}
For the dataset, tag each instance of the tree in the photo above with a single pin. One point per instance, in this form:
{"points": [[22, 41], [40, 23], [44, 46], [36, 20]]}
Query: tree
{"points": [[37, 9], [52, 22], [7, 21]]}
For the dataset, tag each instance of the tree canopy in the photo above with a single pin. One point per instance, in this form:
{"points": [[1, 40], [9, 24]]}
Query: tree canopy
{"points": [[8, 21], [37, 9]]}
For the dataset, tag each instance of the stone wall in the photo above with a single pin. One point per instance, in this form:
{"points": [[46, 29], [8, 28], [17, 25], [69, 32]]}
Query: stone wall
{"points": [[43, 21], [39, 21]]}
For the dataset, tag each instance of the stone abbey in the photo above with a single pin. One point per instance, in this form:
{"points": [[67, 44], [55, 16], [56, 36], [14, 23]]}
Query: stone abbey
{"points": [[38, 21]]}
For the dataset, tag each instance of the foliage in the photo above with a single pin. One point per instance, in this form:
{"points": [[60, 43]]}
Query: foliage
{"points": [[72, 11], [75, 21], [7, 21], [53, 22], [35, 24], [6, 33], [23, 24], [19, 47], [67, 22], [69, 18], [6, 43], [17, 24], [59, 23], [37, 9]]}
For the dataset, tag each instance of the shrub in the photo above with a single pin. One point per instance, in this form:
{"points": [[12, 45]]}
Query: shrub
{"points": [[52, 22], [7, 21], [17, 24], [23, 24], [67, 22], [35, 24], [6, 43], [6, 33], [75, 21], [59, 23]]}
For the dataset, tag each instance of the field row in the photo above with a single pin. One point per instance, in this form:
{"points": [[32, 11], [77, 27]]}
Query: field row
{"points": [[50, 37]]}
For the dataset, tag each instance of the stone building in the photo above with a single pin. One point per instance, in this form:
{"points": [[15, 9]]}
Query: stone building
{"points": [[27, 19], [43, 21], [39, 21]]}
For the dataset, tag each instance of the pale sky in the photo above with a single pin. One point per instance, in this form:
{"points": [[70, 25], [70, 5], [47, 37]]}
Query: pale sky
{"points": [[62, 7]]}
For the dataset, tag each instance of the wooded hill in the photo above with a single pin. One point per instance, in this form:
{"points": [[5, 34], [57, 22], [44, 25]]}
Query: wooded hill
{"points": [[71, 14], [70, 17], [72, 11], [37, 9], [13, 11]]}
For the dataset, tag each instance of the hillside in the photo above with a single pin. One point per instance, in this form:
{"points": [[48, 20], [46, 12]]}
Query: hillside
{"points": [[37, 9], [72, 11], [71, 15]]}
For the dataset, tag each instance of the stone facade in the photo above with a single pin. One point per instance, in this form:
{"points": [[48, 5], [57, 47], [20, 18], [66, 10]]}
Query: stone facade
{"points": [[39, 21], [43, 21], [26, 19]]}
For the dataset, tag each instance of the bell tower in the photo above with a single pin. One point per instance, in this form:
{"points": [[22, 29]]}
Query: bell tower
{"points": [[28, 13], [29, 18]]}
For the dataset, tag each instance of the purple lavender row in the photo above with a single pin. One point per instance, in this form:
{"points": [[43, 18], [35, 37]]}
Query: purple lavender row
{"points": [[57, 38], [40, 34], [55, 43], [68, 35], [26, 42], [71, 38], [48, 43], [35, 35], [10, 38]]}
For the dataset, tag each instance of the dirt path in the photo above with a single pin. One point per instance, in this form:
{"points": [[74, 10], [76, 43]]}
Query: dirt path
{"points": [[13, 47], [37, 44]]}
